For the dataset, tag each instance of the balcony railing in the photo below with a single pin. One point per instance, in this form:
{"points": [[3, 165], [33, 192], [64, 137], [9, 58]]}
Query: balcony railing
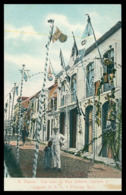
{"points": [[68, 98]]}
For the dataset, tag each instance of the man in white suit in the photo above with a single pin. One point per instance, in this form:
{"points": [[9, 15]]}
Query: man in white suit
{"points": [[57, 140]]}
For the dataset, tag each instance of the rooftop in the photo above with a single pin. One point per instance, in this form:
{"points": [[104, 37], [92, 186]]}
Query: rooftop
{"points": [[110, 32]]}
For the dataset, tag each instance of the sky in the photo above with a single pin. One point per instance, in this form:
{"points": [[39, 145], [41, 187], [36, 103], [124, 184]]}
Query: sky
{"points": [[26, 32]]}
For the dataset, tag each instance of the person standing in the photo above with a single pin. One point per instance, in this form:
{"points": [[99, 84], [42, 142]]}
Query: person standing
{"points": [[57, 140], [24, 134], [48, 156]]}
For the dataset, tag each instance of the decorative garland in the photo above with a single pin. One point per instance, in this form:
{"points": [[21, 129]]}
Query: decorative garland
{"points": [[19, 116], [41, 105]]}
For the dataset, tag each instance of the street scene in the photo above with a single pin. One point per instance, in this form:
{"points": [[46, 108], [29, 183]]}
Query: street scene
{"points": [[63, 92], [72, 166]]}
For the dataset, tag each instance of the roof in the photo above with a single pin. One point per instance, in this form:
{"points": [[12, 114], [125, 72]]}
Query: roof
{"points": [[23, 98], [34, 95], [110, 32], [54, 85], [25, 103]]}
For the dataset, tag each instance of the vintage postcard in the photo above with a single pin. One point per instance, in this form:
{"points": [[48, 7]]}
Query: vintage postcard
{"points": [[62, 97]]}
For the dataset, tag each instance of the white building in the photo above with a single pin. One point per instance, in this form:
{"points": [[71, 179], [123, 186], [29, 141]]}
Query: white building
{"points": [[79, 132]]}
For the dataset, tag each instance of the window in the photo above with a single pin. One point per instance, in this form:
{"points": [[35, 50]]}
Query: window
{"points": [[90, 74], [109, 64], [109, 58], [63, 86], [62, 90], [73, 88]]}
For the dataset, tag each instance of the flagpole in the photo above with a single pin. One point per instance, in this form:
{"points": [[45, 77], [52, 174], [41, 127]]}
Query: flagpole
{"points": [[19, 115], [9, 119], [89, 19], [93, 87], [41, 104], [93, 159]]}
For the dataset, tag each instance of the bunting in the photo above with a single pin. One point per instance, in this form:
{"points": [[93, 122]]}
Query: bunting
{"points": [[41, 105]]}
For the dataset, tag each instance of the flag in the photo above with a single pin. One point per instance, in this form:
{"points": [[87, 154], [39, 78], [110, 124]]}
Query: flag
{"points": [[98, 70], [6, 105], [25, 76], [79, 109], [81, 53], [62, 59], [21, 71], [50, 77], [87, 32], [74, 48], [58, 35], [62, 38], [17, 90], [51, 21], [10, 96]]}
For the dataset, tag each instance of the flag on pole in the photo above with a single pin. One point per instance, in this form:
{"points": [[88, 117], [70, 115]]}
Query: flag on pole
{"points": [[81, 53], [87, 32], [25, 76], [51, 21], [62, 38], [17, 90], [74, 48], [58, 35]]}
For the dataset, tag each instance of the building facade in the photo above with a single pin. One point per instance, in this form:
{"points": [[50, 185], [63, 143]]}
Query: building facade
{"points": [[79, 86]]}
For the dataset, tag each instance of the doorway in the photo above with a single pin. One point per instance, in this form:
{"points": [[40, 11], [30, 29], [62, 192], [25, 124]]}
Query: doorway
{"points": [[73, 122]]}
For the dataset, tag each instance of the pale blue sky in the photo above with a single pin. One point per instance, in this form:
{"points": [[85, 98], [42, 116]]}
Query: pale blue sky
{"points": [[26, 34]]}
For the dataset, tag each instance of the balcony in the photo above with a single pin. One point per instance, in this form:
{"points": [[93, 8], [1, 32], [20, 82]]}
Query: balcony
{"points": [[68, 99]]}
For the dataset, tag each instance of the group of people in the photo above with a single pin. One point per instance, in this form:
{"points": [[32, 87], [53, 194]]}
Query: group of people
{"points": [[52, 151]]}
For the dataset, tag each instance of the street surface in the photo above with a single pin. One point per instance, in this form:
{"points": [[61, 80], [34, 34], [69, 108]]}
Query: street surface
{"points": [[72, 166]]}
